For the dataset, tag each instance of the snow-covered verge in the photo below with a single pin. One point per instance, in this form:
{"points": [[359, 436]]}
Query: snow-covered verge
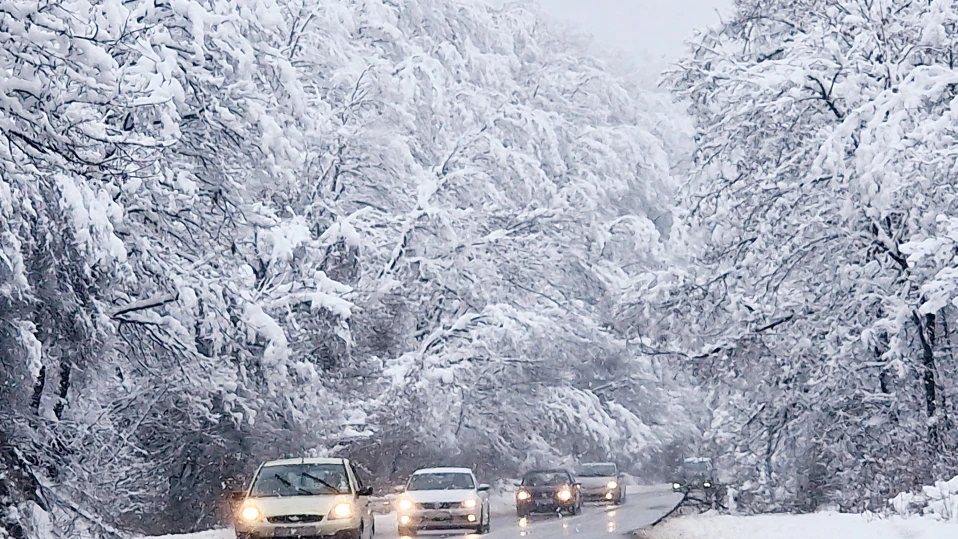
{"points": [[219, 533], [812, 526], [938, 501]]}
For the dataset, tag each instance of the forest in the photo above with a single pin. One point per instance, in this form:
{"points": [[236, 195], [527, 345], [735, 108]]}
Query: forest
{"points": [[454, 231]]}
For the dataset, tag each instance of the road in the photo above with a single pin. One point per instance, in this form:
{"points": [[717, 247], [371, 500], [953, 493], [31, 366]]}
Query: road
{"points": [[640, 509]]}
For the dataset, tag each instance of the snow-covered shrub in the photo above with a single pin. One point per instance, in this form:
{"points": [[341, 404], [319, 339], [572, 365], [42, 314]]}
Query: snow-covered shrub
{"points": [[938, 501]]}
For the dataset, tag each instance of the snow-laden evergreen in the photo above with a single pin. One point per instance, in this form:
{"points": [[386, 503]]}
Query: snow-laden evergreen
{"points": [[234, 229]]}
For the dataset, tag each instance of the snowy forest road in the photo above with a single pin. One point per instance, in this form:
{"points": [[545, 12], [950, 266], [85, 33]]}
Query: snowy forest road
{"points": [[641, 509]]}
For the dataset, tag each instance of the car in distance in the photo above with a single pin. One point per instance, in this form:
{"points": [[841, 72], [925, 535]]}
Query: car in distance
{"points": [[601, 482], [305, 497], [694, 474], [548, 491], [442, 499]]}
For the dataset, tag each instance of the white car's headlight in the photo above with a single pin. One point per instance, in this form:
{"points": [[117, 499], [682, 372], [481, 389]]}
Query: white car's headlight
{"points": [[405, 505], [612, 485], [564, 495], [341, 510], [251, 513], [469, 503]]}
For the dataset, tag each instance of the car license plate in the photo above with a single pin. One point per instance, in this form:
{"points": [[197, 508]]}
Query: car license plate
{"points": [[442, 516], [298, 531]]}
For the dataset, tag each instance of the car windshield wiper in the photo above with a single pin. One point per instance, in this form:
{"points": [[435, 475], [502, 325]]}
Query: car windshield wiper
{"points": [[290, 485], [320, 481]]}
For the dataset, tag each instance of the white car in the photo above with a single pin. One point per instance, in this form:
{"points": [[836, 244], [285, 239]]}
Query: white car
{"points": [[442, 499], [314, 497]]}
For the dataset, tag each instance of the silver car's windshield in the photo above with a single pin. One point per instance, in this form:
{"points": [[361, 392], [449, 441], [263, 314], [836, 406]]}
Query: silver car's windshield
{"points": [[441, 481], [300, 480]]}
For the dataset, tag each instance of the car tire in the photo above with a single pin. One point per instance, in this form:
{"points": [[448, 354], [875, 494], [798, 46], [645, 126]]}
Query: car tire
{"points": [[408, 532], [483, 527]]}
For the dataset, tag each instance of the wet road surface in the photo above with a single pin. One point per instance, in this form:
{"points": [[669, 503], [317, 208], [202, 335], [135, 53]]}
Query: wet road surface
{"points": [[641, 509]]}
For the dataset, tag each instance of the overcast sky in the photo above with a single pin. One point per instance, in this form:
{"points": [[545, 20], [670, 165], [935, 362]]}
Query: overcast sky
{"points": [[657, 27]]}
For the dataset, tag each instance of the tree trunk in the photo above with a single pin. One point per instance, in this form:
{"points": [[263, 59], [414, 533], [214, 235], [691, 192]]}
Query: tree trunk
{"points": [[65, 369], [38, 390], [926, 334]]}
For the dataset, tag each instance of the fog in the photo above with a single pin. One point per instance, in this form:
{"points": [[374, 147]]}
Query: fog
{"points": [[656, 28]]}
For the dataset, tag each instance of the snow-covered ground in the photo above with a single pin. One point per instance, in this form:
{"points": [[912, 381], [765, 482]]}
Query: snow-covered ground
{"points": [[814, 526]]}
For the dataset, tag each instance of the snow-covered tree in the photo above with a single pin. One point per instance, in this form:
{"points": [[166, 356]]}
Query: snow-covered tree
{"points": [[234, 229], [822, 190]]}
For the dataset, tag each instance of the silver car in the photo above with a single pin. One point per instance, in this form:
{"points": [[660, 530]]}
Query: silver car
{"points": [[601, 482]]}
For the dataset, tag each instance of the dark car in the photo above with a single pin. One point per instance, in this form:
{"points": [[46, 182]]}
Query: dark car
{"points": [[694, 474], [548, 491]]}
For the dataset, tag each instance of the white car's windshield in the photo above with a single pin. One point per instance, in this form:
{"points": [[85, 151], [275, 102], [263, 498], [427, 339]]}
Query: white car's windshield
{"points": [[300, 480], [441, 481], [596, 470]]}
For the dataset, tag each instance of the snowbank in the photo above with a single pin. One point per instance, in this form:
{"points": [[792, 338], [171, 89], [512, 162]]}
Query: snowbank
{"points": [[221, 533], [814, 526], [939, 502]]}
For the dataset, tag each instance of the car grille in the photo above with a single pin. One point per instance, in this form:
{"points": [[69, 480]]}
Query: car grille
{"points": [[294, 519], [437, 505]]}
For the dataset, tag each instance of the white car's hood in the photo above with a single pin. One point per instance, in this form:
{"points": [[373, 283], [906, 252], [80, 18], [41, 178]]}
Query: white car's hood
{"points": [[431, 496]]}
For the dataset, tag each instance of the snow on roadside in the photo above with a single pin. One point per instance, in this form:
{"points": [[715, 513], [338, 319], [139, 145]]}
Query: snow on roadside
{"points": [[220, 533], [814, 526], [938, 501]]}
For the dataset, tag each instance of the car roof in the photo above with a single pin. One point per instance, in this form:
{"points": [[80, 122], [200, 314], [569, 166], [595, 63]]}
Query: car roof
{"points": [[442, 470], [311, 460], [548, 470]]}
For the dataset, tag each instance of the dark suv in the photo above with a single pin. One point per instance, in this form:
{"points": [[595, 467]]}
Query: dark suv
{"points": [[548, 491], [694, 474]]}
